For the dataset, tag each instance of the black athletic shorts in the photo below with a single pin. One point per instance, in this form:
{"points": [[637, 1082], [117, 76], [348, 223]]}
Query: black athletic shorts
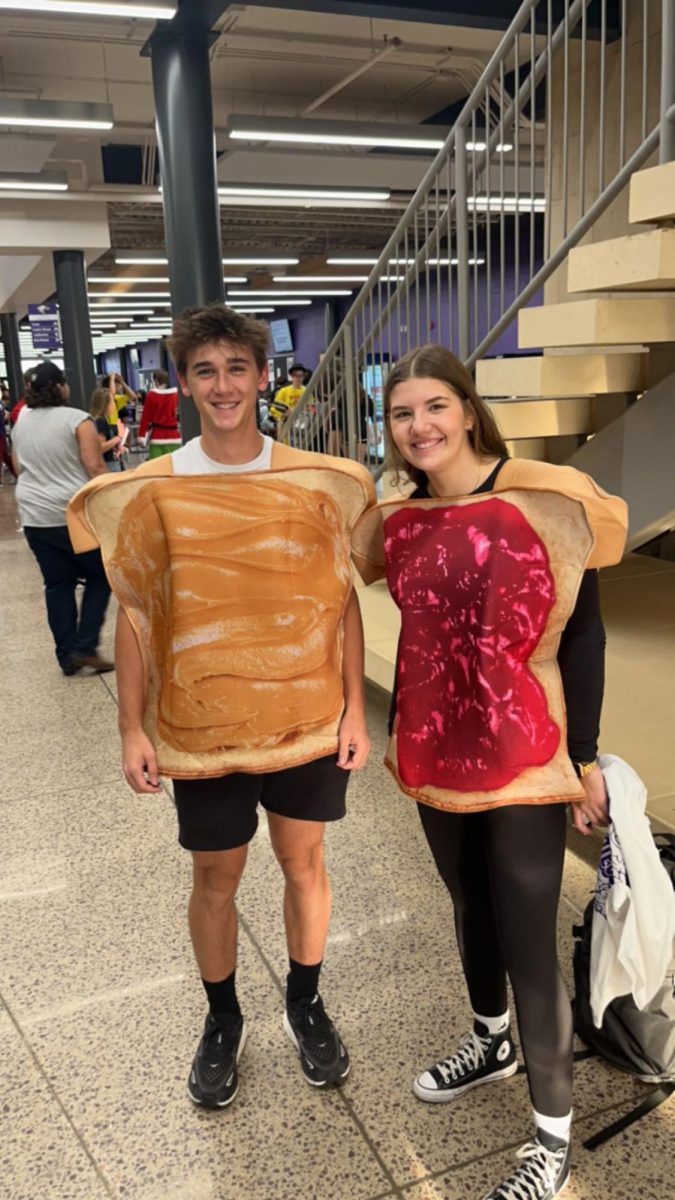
{"points": [[221, 813]]}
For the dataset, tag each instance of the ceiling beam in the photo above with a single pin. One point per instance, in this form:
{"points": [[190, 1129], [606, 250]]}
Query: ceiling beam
{"points": [[472, 14]]}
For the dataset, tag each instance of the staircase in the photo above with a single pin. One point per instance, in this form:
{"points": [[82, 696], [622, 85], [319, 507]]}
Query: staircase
{"points": [[564, 116], [563, 121]]}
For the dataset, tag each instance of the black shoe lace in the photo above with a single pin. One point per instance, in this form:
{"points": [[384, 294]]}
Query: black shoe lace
{"points": [[317, 1026], [219, 1038]]}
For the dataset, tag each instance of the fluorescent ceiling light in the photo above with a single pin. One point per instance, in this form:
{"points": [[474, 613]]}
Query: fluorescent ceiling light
{"points": [[128, 258], [56, 114], [251, 312], [260, 262], [140, 306], [268, 293], [501, 147], [127, 278], [436, 262], [507, 203], [241, 304], [43, 181], [258, 191], [145, 260], [351, 262], [150, 279], [336, 133], [141, 295], [155, 11], [320, 278]]}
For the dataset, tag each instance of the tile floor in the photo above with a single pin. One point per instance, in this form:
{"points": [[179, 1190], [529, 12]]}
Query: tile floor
{"points": [[100, 1003]]}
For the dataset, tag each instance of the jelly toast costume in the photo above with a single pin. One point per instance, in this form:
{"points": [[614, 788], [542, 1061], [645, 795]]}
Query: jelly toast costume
{"points": [[485, 584]]}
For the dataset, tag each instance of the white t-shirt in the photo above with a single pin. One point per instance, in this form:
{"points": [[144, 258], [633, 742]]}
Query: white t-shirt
{"points": [[191, 460], [46, 445]]}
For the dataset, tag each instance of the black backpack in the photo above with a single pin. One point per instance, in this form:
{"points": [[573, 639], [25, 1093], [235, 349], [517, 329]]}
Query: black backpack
{"points": [[640, 1041]]}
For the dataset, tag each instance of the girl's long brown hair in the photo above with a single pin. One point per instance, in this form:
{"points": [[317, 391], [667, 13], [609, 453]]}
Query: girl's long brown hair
{"points": [[100, 403], [435, 362]]}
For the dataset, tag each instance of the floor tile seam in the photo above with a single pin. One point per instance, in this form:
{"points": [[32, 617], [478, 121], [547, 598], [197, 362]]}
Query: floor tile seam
{"points": [[356, 1121], [79, 1136], [570, 904], [46, 788]]}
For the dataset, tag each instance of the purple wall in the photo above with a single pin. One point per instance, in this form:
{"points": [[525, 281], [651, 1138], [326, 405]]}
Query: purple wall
{"points": [[150, 355], [438, 325]]}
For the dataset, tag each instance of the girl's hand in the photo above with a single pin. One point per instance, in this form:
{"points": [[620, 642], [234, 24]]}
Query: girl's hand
{"points": [[594, 808]]}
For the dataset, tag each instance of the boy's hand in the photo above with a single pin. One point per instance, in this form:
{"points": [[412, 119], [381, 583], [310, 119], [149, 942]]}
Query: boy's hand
{"points": [[139, 763], [353, 741]]}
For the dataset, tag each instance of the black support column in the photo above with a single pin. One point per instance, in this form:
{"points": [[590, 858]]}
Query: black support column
{"points": [[187, 161], [78, 353], [10, 340], [331, 321]]}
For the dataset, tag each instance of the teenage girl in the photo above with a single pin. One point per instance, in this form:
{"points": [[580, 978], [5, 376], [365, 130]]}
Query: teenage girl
{"points": [[501, 859]]}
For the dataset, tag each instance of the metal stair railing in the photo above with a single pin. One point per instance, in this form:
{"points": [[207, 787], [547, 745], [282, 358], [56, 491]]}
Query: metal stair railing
{"points": [[494, 215]]}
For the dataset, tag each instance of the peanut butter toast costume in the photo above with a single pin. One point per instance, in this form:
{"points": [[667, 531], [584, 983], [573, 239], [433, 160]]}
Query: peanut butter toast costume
{"points": [[236, 587], [486, 584]]}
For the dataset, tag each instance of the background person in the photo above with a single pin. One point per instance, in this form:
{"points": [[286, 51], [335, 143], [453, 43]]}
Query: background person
{"points": [[158, 426], [5, 456], [103, 412], [125, 397], [457, 710], [287, 397], [56, 450]]}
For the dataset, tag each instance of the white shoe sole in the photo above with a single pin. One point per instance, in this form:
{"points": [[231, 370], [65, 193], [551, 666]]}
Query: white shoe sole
{"points": [[317, 1083], [443, 1096], [224, 1103]]}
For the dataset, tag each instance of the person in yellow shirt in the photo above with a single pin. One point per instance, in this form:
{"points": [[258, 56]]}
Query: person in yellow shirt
{"points": [[287, 397]]}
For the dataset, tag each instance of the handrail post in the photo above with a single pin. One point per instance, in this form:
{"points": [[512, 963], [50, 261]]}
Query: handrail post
{"points": [[667, 139], [462, 220], [350, 390]]}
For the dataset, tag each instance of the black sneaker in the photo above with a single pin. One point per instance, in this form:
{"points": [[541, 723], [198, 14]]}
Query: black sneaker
{"points": [[213, 1080], [481, 1058], [323, 1055], [544, 1171]]}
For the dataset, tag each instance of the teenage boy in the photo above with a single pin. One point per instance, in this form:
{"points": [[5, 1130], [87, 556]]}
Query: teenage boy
{"points": [[287, 397], [245, 674]]}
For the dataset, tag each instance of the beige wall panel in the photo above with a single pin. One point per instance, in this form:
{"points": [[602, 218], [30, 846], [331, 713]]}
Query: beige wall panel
{"points": [[614, 222]]}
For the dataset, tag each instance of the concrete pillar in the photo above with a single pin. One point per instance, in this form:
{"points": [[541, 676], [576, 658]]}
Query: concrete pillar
{"points": [[10, 340], [187, 159], [78, 353]]}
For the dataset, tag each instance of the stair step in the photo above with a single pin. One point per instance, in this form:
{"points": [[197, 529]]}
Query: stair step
{"points": [[543, 417], [598, 322], [652, 195], [561, 374], [640, 262]]}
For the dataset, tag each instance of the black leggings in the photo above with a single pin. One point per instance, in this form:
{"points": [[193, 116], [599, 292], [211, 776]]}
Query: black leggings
{"points": [[503, 869]]}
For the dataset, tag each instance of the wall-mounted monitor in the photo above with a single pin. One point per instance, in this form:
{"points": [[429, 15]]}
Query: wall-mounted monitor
{"points": [[281, 336]]}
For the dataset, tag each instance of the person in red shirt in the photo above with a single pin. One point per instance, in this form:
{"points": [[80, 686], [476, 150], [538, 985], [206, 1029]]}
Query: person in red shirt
{"points": [[159, 422]]}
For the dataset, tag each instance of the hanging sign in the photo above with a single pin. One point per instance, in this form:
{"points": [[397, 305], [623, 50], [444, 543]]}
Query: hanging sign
{"points": [[44, 326]]}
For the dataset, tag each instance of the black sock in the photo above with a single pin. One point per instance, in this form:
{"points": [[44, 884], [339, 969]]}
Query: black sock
{"points": [[302, 982], [223, 996]]}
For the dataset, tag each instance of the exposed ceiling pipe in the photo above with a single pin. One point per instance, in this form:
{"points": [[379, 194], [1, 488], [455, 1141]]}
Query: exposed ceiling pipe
{"points": [[392, 45]]}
